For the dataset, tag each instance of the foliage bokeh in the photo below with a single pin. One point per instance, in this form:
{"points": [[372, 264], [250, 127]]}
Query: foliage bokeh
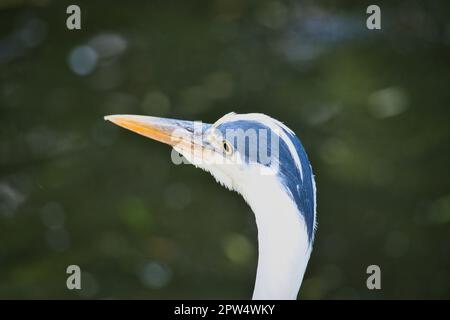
{"points": [[371, 108]]}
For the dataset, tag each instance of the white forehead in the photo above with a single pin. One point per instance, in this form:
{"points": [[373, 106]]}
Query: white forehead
{"points": [[262, 118]]}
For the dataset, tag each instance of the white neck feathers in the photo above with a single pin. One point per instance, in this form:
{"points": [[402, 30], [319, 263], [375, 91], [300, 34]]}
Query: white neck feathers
{"points": [[283, 244]]}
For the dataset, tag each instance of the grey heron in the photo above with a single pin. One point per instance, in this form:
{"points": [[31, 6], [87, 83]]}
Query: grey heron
{"points": [[264, 161]]}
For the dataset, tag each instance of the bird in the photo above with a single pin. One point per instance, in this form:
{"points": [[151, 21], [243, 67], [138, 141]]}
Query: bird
{"points": [[263, 160]]}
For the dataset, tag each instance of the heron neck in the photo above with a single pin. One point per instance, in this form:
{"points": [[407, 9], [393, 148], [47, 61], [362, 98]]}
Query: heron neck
{"points": [[283, 244]]}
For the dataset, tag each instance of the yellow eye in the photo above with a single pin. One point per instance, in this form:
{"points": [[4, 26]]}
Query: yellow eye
{"points": [[227, 148]]}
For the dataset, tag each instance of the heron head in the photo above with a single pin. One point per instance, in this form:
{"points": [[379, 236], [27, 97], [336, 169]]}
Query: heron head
{"points": [[231, 149], [240, 150]]}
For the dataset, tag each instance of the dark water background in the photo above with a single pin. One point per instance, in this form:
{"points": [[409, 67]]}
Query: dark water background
{"points": [[371, 108]]}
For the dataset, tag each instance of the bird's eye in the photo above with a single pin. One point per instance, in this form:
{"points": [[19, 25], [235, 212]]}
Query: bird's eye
{"points": [[227, 148]]}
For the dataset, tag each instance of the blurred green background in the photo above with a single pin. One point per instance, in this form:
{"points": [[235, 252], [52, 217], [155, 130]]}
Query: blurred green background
{"points": [[371, 108]]}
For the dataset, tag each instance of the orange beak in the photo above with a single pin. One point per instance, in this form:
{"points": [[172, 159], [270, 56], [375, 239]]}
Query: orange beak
{"points": [[184, 136]]}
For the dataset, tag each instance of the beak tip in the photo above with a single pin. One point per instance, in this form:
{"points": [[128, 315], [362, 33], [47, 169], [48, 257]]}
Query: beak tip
{"points": [[112, 118]]}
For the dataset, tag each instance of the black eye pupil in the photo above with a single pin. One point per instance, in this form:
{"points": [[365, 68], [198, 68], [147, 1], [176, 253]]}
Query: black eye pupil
{"points": [[225, 146]]}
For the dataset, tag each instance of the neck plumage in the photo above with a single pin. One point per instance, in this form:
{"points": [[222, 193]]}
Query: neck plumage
{"points": [[283, 244]]}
